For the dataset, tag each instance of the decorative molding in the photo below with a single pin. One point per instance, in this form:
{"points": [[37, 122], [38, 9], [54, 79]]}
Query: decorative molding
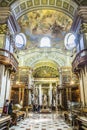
{"points": [[80, 20], [13, 25], [7, 59], [79, 61], [82, 12], [5, 3], [83, 28], [39, 57], [22, 7]]}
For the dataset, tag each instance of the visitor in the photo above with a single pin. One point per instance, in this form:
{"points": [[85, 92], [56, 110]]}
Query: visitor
{"points": [[10, 108], [12, 114], [39, 108], [5, 108]]}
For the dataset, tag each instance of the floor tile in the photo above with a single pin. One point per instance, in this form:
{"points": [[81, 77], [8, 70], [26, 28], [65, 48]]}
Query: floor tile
{"points": [[42, 122]]}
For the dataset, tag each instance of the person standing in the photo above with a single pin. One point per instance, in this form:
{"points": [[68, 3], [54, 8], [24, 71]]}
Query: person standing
{"points": [[12, 114], [10, 108], [5, 108]]}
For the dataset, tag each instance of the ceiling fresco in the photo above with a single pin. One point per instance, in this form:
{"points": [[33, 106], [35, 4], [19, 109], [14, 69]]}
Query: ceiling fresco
{"points": [[45, 23], [45, 69], [45, 72]]}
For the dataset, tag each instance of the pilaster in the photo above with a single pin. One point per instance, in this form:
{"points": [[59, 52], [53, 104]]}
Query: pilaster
{"points": [[40, 95], [50, 94]]}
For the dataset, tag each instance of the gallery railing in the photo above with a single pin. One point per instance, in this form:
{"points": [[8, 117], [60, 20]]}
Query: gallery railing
{"points": [[8, 59], [79, 60]]}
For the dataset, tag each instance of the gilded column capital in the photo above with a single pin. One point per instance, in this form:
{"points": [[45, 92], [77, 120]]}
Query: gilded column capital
{"points": [[4, 15], [82, 12], [80, 19], [83, 28], [3, 28]]}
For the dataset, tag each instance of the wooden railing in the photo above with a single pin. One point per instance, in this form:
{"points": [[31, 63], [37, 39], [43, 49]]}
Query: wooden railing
{"points": [[5, 122], [79, 60], [8, 59]]}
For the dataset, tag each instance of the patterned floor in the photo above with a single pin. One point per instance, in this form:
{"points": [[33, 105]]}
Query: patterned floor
{"points": [[37, 121]]}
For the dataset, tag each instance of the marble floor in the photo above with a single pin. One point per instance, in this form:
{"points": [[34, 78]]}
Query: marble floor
{"points": [[36, 121]]}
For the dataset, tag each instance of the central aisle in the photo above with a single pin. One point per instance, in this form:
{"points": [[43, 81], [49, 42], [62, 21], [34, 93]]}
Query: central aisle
{"points": [[37, 121]]}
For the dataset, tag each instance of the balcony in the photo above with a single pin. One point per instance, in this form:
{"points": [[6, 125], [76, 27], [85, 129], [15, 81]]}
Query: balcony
{"points": [[79, 61], [8, 60]]}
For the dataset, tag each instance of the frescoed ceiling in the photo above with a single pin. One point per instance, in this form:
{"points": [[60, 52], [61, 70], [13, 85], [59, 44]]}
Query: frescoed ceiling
{"points": [[45, 23]]}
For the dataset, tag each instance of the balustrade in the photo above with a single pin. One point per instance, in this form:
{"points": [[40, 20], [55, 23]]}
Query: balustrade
{"points": [[8, 59]]}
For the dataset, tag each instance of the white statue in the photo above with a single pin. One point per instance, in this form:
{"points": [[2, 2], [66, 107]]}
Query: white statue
{"points": [[45, 100]]}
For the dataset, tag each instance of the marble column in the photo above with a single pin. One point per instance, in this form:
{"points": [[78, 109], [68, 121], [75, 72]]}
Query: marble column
{"points": [[60, 86], [8, 90], [83, 46], [29, 87], [3, 71], [40, 94], [5, 87], [80, 28], [3, 75], [50, 94], [57, 95], [30, 79], [60, 74], [85, 85], [83, 90]]}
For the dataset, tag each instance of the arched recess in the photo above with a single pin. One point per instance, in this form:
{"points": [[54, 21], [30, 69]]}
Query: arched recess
{"points": [[30, 60], [45, 69]]}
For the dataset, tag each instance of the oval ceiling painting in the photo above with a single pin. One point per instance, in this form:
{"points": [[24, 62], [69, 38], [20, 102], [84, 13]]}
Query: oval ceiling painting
{"points": [[45, 23]]}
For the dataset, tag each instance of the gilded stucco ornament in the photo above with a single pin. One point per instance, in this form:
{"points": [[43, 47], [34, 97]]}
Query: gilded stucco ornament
{"points": [[3, 28], [83, 28]]}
